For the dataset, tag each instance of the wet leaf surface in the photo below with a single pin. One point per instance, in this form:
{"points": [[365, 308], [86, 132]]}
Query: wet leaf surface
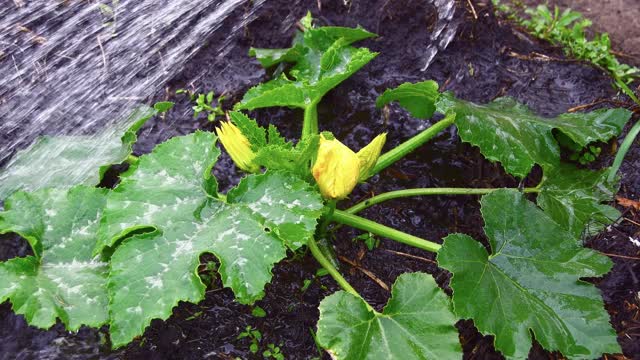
{"points": [[509, 132], [65, 161], [171, 191], [417, 323], [63, 280], [529, 281]]}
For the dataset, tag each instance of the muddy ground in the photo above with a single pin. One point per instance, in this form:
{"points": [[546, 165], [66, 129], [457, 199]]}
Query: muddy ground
{"points": [[479, 65]]}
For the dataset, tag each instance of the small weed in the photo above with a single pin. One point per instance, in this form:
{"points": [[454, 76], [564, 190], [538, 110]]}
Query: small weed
{"points": [[208, 273], [254, 335], [204, 103], [273, 352], [567, 29], [258, 312], [110, 12], [369, 240]]}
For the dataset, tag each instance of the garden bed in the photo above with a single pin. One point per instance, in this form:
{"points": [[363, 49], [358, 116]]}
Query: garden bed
{"points": [[487, 59]]}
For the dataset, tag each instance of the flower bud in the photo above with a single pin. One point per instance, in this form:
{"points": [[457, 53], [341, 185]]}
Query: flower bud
{"points": [[238, 146], [369, 155], [336, 170]]}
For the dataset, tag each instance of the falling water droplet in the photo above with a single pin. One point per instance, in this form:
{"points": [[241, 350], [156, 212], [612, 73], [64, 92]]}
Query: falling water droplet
{"points": [[444, 30]]}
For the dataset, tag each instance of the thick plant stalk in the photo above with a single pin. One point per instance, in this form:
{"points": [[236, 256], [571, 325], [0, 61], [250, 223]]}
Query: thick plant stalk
{"points": [[358, 222], [422, 192], [335, 274], [310, 122], [410, 145]]}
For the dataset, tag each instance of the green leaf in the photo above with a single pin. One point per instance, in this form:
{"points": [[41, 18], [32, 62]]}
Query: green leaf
{"points": [[574, 197], [512, 134], [324, 37], [163, 106], [65, 161], [417, 323], [249, 128], [270, 57], [171, 192], [323, 59], [63, 280], [530, 282], [275, 138], [418, 98], [258, 312], [286, 158]]}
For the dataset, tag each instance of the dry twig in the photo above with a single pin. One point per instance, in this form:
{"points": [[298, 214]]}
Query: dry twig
{"points": [[366, 272]]}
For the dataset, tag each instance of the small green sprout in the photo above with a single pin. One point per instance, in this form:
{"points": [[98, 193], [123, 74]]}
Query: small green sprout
{"points": [[204, 103], [273, 352], [369, 240], [254, 335], [258, 312]]}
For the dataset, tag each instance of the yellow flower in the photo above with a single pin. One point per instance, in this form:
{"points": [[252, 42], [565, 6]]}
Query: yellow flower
{"points": [[369, 155], [338, 169], [238, 146]]}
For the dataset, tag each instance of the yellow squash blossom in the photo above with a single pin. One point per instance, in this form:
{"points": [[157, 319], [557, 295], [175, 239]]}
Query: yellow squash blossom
{"points": [[238, 146], [338, 169], [369, 155]]}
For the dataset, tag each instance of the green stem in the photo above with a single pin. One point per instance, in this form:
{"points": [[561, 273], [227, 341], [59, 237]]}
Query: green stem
{"points": [[422, 192], [625, 89], [310, 124], [131, 159], [358, 222], [331, 207], [622, 151], [335, 274], [410, 145]]}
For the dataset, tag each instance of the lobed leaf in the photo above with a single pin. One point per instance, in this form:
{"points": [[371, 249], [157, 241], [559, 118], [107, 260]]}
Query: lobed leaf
{"points": [[323, 58], [512, 134], [418, 98], [172, 193], [63, 280], [65, 161], [417, 323], [529, 284], [574, 198]]}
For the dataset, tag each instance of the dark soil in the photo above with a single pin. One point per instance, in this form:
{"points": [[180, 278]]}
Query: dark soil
{"points": [[479, 65]]}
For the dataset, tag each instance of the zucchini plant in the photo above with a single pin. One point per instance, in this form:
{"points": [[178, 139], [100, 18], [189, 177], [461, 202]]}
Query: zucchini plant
{"points": [[124, 256]]}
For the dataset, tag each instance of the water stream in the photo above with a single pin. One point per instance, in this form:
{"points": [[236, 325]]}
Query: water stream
{"points": [[70, 67], [444, 31]]}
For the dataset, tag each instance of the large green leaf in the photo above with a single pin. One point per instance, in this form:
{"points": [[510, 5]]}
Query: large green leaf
{"points": [[530, 282], [417, 323], [323, 59], [512, 134], [65, 161], [63, 280], [574, 198], [172, 192], [418, 98]]}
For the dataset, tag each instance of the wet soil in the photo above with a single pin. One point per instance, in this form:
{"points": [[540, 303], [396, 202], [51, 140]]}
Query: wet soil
{"points": [[480, 64]]}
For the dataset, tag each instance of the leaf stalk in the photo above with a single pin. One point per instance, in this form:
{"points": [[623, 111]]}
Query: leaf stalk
{"points": [[358, 222], [335, 274], [310, 122], [413, 143], [423, 192]]}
